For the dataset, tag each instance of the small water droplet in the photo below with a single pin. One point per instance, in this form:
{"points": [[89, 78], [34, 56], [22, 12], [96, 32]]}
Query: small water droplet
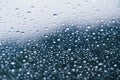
{"points": [[12, 63], [46, 36], [17, 9], [12, 28], [32, 7], [55, 15], [29, 12], [46, 28], [23, 33], [58, 39], [88, 27], [69, 3], [79, 5], [13, 70], [100, 64], [69, 49], [17, 31]]}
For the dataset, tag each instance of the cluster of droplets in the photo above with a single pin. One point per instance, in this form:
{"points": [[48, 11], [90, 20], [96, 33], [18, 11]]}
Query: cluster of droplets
{"points": [[86, 53]]}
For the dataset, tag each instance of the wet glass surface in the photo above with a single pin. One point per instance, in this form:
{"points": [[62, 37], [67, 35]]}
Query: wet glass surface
{"points": [[60, 40]]}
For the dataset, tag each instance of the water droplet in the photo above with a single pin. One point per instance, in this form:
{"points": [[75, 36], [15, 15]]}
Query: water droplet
{"points": [[88, 27], [32, 7], [17, 31], [101, 30], [23, 33], [58, 39], [12, 28], [100, 64], [29, 12], [12, 63], [46, 28], [55, 15], [69, 49], [13, 70], [46, 36], [17, 9]]}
